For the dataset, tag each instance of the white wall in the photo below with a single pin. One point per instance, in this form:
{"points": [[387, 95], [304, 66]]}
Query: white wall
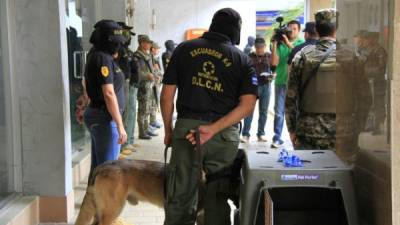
{"points": [[42, 72], [174, 17], [95, 10]]}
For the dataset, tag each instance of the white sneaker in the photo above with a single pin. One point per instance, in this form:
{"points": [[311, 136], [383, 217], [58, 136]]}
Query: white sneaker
{"points": [[277, 144], [245, 139], [262, 138]]}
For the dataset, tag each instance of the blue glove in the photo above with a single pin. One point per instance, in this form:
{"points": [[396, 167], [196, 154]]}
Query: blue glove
{"points": [[289, 160], [283, 155], [293, 161]]}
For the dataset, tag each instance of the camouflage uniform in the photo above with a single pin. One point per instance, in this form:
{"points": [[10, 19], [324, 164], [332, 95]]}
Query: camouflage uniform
{"points": [[374, 59], [157, 86], [155, 99], [328, 130], [145, 92]]}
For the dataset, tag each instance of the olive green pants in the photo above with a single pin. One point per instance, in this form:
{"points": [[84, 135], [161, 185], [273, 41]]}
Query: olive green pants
{"points": [[182, 179]]}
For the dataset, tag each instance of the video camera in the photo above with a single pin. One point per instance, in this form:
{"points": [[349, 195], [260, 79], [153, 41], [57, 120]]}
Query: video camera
{"points": [[281, 30]]}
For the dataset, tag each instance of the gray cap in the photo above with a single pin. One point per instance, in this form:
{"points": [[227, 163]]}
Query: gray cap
{"points": [[144, 38], [155, 45]]}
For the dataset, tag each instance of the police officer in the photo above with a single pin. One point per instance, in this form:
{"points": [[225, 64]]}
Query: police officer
{"points": [[104, 83], [327, 97], [249, 46], [311, 38], [217, 87], [129, 67], [146, 82], [166, 56]]}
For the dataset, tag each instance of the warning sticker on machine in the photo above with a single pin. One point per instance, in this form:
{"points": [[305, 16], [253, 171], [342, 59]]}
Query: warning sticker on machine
{"points": [[299, 177]]}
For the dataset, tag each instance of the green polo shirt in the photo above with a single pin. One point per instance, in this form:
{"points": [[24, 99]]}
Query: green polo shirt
{"points": [[283, 52]]}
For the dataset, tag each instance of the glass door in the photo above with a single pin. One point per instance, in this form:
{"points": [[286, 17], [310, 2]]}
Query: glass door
{"points": [[76, 62]]}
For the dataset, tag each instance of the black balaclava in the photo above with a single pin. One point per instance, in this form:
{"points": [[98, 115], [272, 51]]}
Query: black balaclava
{"points": [[229, 23], [101, 40], [170, 45], [250, 41]]}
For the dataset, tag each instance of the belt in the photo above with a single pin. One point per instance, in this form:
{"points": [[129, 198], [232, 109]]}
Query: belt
{"points": [[98, 106], [103, 108], [207, 117]]}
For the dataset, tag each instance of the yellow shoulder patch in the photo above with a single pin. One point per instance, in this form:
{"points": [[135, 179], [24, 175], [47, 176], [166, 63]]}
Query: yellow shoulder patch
{"points": [[104, 71]]}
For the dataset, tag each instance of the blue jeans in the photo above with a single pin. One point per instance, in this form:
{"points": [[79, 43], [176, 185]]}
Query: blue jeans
{"points": [[130, 114], [280, 97], [264, 93], [104, 134]]}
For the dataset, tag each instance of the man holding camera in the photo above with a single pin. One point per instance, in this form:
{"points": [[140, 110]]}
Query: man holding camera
{"points": [[281, 48]]}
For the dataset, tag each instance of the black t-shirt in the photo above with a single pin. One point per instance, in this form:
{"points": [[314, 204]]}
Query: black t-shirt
{"points": [[123, 61], [128, 65], [102, 69], [211, 74], [166, 57]]}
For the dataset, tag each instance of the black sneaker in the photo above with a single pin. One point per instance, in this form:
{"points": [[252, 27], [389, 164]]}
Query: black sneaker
{"points": [[145, 137]]}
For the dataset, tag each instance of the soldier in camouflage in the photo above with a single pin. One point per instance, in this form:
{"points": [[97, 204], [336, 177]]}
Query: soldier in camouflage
{"points": [[146, 81], [374, 59], [154, 51], [324, 109]]}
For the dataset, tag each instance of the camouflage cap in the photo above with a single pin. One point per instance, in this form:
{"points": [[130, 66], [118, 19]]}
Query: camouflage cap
{"points": [[326, 16], [144, 38], [155, 45]]}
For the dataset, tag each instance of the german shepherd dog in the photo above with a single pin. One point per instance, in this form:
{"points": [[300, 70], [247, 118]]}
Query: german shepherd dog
{"points": [[115, 182]]}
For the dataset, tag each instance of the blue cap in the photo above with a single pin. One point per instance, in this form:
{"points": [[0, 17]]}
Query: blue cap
{"points": [[112, 29]]}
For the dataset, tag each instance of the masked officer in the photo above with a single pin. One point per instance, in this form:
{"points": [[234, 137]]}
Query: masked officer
{"points": [[249, 46], [104, 84], [146, 82], [129, 67], [327, 94], [166, 56], [217, 87]]}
